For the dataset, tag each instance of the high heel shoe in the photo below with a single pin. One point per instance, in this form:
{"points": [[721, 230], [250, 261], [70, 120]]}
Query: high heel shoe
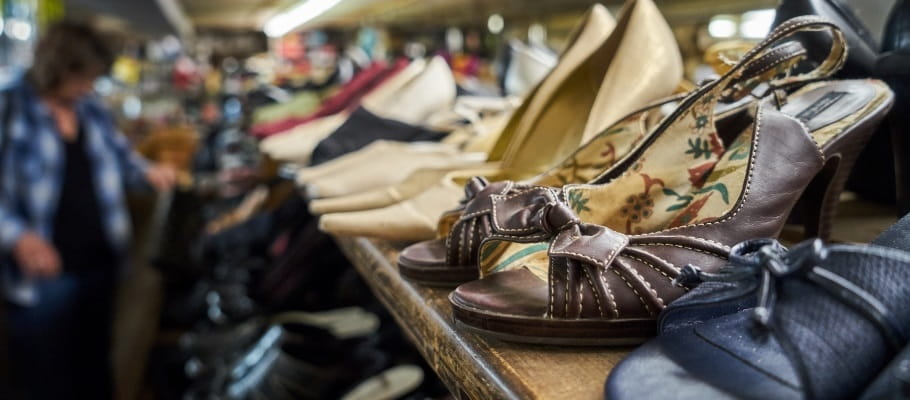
{"points": [[453, 260], [563, 112], [692, 192]]}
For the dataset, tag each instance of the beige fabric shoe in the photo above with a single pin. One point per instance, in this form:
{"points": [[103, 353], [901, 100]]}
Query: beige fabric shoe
{"points": [[297, 144], [638, 63], [414, 184], [414, 219], [382, 164]]}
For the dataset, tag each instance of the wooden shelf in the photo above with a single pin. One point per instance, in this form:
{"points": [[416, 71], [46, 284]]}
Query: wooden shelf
{"points": [[475, 367], [472, 366]]}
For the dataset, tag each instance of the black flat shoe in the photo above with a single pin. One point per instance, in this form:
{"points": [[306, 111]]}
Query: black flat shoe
{"points": [[818, 321], [205, 350], [362, 128], [298, 363]]}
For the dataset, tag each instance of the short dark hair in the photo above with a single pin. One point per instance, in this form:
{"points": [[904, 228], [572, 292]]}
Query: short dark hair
{"points": [[68, 48]]}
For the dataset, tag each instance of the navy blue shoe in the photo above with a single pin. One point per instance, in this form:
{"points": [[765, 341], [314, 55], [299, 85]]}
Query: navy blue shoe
{"points": [[817, 321]]}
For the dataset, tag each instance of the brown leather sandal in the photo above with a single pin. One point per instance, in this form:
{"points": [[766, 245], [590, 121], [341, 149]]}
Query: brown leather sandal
{"points": [[601, 286], [453, 259]]}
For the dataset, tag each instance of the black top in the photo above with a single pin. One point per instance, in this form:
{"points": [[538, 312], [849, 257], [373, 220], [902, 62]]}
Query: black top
{"points": [[79, 234]]}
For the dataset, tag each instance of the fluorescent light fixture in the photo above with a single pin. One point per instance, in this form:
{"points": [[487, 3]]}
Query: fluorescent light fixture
{"points": [[722, 27], [287, 21], [756, 24]]}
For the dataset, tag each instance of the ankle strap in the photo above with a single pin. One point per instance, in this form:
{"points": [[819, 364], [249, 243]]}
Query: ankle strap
{"points": [[754, 58]]}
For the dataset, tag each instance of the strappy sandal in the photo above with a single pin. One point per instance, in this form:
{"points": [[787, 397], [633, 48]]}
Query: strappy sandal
{"points": [[453, 260], [601, 286], [822, 321]]}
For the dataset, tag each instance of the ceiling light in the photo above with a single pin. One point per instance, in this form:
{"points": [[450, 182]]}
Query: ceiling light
{"points": [[287, 21], [18, 29], [722, 27], [495, 24], [756, 24]]}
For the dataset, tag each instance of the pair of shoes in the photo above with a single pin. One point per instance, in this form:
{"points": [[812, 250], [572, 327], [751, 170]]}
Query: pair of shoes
{"points": [[357, 172], [453, 259], [409, 97], [381, 164], [292, 360], [815, 322], [595, 263], [588, 90], [205, 349]]}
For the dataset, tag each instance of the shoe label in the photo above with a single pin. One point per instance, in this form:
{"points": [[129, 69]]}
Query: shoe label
{"points": [[820, 105]]}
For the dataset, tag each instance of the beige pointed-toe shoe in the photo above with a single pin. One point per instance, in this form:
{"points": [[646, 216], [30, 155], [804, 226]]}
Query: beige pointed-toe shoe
{"points": [[414, 220], [414, 184], [384, 163]]}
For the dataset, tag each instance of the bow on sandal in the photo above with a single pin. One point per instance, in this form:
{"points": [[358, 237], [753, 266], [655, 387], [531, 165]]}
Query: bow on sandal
{"points": [[605, 277], [453, 260], [815, 322]]}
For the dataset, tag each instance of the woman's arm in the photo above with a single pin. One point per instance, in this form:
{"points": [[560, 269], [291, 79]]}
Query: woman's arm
{"points": [[137, 171]]}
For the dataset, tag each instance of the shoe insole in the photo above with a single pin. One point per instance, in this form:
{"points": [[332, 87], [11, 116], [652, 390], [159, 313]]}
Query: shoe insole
{"points": [[391, 384], [343, 323]]}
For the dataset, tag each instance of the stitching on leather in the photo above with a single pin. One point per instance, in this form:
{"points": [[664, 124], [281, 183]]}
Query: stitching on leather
{"points": [[552, 288], [523, 237], [818, 147], [647, 284], [496, 222], [476, 213], [600, 310], [461, 246], [681, 247], [659, 239], [500, 198], [470, 235], [567, 291], [449, 248], [778, 52], [775, 62], [651, 265], [748, 187], [641, 299], [581, 296], [591, 259], [609, 290]]}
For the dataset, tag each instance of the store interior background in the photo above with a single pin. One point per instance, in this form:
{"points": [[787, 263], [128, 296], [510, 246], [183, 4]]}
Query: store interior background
{"points": [[179, 58]]}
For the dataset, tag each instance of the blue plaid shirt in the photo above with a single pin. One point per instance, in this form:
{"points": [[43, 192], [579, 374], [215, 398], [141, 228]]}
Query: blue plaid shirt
{"points": [[32, 174]]}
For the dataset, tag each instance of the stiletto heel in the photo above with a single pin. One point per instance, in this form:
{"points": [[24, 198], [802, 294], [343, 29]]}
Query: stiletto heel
{"points": [[822, 197]]}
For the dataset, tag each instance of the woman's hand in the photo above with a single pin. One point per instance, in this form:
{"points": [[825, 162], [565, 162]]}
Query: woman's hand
{"points": [[36, 257], [161, 177]]}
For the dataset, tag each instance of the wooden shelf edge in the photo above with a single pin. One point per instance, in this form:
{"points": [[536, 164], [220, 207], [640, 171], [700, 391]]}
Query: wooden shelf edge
{"points": [[453, 355]]}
